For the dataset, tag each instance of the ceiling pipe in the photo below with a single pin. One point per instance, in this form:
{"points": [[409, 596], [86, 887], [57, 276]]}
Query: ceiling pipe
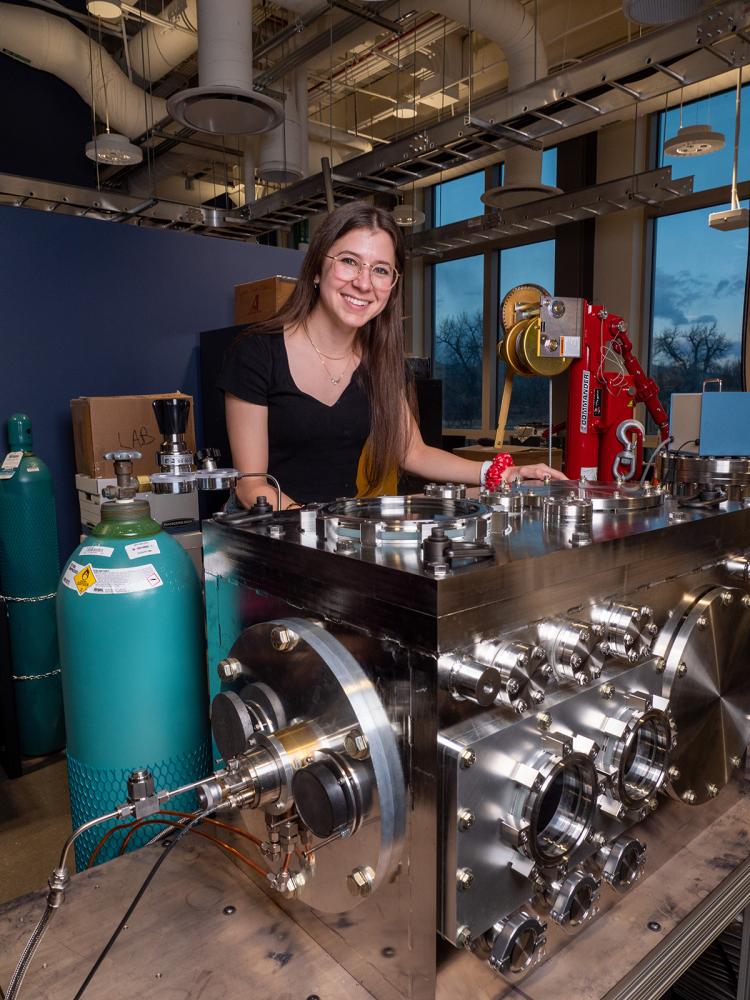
{"points": [[156, 49], [54, 45]]}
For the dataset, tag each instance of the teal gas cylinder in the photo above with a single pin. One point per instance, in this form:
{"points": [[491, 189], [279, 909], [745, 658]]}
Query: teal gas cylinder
{"points": [[29, 570], [132, 649]]}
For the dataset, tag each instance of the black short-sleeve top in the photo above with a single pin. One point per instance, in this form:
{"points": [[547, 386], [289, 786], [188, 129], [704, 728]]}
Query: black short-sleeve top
{"points": [[313, 449]]}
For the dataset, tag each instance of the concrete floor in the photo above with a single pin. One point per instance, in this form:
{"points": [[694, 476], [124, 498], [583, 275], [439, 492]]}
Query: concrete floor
{"points": [[34, 822]]}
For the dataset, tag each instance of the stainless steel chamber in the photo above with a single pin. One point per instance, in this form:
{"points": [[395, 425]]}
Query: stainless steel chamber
{"points": [[443, 715]]}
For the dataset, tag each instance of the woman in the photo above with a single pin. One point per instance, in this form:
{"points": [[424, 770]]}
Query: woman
{"points": [[328, 375]]}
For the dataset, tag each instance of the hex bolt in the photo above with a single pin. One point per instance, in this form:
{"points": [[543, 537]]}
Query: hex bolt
{"points": [[283, 639], [229, 669], [544, 721], [746, 600], [727, 597], [633, 656], [607, 691], [647, 612], [604, 648], [702, 621], [581, 678], [464, 878], [520, 706], [466, 819], [468, 758], [712, 789], [512, 687], [537, 695], [735, 761], [652, 628], [360, 881], [682, 670], [659, 664], [689, 796], [356, 745], [463, 937], [275, 531], [674, 773], [575, 661]]}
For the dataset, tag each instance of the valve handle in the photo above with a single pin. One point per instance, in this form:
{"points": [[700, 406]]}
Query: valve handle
{"points": [[122, 456]]}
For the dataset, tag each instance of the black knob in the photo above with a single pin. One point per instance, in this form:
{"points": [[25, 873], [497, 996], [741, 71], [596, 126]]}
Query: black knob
{"points": [[261, 506], [231, 723], [435, 546], [324, 798], [171, 415]]}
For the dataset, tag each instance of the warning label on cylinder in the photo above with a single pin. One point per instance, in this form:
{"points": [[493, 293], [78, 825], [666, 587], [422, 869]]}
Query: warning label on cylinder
{"points": [[102, 580], [138, 549], [96, 550], [84, 579], [10, 463]]}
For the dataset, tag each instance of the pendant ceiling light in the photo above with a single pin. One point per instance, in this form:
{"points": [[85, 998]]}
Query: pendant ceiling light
{"points": [[735, 217], [404, 109], [111, 147], [224, 102], [660, 11], [110, 10], [408, 216], [694, 140]]}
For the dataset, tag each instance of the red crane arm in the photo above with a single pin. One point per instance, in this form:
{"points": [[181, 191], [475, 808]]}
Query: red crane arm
{"points": [[646, 390]]}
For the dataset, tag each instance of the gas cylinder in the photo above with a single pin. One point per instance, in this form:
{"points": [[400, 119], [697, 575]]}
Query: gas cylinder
{"points": [[132, 648], [29, 570]]}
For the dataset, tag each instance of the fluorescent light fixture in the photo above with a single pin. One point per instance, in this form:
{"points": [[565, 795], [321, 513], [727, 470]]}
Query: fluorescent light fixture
{"points": [[694, 140], [404, 109], [113, 148], [110, 10], [408, 215]]}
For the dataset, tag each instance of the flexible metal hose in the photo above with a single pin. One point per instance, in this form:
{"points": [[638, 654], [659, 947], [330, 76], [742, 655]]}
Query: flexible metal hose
{"points": [[24, 961]]}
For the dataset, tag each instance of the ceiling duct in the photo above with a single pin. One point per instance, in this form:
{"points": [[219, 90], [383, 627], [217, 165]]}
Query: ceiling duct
{"points": [[54, 45], [224, 102], [283, 153], [660, 11]]}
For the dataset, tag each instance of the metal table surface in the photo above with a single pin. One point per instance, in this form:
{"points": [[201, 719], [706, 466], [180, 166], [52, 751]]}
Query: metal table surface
{"points": [[181, 945]]}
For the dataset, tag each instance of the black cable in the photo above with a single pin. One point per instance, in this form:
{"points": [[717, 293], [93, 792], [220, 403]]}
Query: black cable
{"points": [[138, 896], [676, 455]]}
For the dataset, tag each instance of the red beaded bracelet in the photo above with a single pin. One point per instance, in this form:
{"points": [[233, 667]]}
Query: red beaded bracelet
{"points": [[493, 476]]}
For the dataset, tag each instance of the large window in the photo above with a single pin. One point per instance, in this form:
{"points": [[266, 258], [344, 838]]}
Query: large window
{"points": [[459, 339], [698, 272], [698, 294], [532, 264], [458, 199], [460, 331]]}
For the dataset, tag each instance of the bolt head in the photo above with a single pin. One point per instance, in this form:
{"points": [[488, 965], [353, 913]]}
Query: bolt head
{"points": [[544, 721], [283, 639], [746, 600], [512, 687], [356, 745], [468, 758], [464, 878], [466, 819], [674, 773], [360, 881], [727, 597], [463, 937], [712, 789], [735, 761], [702, 621], [682, 670], [229, 669], [689, 796], [607, 691]]}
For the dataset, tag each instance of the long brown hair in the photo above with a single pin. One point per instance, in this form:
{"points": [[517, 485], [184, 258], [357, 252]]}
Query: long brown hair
{"points": [[382, 368]]}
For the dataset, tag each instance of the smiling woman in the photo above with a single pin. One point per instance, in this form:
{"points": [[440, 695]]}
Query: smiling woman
{"points": [[327, 375]]}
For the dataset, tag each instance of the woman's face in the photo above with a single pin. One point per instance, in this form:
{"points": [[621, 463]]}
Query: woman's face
{"points": [[353, 300]]}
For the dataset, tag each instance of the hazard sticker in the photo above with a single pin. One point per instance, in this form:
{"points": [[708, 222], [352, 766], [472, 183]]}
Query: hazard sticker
{"points": [[103, 580], [84, 579]]}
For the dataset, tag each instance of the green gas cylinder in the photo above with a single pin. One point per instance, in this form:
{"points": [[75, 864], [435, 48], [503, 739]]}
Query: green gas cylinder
{"points": [[132, 648], [29, 570]]}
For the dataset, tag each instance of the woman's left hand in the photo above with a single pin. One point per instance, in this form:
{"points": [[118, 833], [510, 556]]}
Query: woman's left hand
{"points": [[538, 471]]}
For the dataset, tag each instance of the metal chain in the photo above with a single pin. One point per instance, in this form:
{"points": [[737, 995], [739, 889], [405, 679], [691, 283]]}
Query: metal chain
{"points": [[36, 677], [27, 600]]}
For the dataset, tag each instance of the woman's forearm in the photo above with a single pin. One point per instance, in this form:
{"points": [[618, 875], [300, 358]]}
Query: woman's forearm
{"points": [[252, 487], [434, 463]]}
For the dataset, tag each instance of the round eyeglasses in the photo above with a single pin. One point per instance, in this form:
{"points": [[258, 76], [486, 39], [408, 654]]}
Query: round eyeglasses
{"points": [[347, 267]]}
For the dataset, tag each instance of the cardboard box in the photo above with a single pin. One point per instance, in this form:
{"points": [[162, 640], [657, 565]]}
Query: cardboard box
{"points": [[257, 301], [114, 423], [521, 454]]}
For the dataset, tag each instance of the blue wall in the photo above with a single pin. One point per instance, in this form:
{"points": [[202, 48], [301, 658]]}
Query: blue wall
{"points": [[96, 309]]}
